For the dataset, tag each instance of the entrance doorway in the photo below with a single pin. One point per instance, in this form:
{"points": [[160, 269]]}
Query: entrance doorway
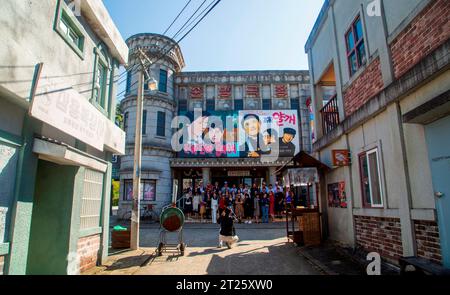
{"points": [[438, 142]]}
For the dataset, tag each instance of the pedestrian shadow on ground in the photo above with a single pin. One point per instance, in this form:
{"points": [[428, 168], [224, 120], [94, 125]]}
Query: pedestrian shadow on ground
{"points": [[129, 262]]}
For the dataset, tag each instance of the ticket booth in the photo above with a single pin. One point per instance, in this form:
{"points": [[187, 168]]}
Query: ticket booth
{"points": [[304, 225]]}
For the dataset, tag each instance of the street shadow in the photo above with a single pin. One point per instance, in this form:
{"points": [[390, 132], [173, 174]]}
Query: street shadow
{"points": [[279, 259]]}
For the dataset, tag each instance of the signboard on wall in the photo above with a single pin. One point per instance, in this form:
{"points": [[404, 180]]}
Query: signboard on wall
{"points": [[241, 134], [72, 113], [341, 158]]}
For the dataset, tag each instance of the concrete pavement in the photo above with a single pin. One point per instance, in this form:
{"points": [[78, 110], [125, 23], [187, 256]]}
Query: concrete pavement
{"points": [[262, 250]]}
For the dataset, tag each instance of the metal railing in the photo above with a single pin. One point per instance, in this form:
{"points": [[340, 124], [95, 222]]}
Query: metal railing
{"points": [[330, 115]]}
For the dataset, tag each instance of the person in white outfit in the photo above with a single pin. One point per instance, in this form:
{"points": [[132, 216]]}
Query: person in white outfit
{"points": [[214, 207]]}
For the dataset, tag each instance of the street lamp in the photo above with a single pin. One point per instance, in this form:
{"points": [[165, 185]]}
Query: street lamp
{"points": [[144, 77]]}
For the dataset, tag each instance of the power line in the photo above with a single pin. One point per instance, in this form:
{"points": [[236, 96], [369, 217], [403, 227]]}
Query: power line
{"points": [[177, 42], [176, 18], [168, 28]]}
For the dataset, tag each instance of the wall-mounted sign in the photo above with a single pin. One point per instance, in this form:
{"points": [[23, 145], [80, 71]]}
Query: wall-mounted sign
{"points": [[224, 91], [239, 173], [281, 91], [69, 111], [341, 158], [252, 91], [197, 92]]}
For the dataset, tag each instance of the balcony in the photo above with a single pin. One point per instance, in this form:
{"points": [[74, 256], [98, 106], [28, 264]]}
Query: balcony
{"points": [[330, 115]]}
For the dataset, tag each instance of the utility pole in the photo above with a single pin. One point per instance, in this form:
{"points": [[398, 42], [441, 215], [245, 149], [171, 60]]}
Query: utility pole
{"points": [[135, 210]]}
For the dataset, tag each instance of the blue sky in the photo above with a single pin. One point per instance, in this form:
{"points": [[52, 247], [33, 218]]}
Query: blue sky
{"points": [[236, 35]]}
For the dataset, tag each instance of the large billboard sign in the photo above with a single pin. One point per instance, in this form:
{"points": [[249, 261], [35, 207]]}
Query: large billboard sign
{"points": [[237, 134]]}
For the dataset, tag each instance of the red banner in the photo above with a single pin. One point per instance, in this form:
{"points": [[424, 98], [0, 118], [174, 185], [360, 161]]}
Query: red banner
{"points": [[281, 91], [225, 91], [252, 91], [197, 92]]}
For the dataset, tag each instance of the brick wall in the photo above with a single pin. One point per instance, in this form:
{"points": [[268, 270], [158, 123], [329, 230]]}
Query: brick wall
{"points": [[87, 251], [365, 86], [428, 241], [424, 34], [2, 263], [382, 235]]}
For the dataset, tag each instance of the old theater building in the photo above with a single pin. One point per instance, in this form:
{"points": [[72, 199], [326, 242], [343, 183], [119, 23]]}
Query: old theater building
{"points": [[276, 101]]}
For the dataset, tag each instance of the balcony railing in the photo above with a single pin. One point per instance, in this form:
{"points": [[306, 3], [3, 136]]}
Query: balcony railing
{"points": [[330, 115]]}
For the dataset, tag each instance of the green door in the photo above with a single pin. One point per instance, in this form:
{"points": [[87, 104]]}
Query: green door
{"points": [[438, 141]]}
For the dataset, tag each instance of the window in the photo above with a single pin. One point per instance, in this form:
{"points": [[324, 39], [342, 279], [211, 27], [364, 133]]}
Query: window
{"points": [[238, 104], [125, 122], [295, 104], [68, 27], [128, 87], [162, 87], [370, 179], [100, 87], [356, 52], [182, 105], [267, 104], [144, 122], [161, 124], [210, 105], [91, 200], [148, 190]]}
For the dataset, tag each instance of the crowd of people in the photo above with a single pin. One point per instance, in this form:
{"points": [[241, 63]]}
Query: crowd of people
{"points": [[259, 204]]}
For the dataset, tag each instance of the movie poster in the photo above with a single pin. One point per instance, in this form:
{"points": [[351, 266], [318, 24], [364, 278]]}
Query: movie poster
{"points": [[260, 129], [243, 134]]}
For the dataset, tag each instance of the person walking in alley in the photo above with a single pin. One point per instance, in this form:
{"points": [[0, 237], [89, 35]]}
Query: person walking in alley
{"points": [[257, 207], [227, 232], [265, 208], [214, 207]]}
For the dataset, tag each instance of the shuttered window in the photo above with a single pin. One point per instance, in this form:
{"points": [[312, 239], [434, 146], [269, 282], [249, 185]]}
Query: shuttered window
{"points": [[91, 200]]}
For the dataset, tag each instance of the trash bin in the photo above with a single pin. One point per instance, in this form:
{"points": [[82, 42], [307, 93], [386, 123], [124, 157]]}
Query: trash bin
{"points": [[120, 238]]}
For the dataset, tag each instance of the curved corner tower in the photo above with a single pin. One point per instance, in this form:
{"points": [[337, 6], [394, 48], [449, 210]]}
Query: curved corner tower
{"points": [[159, 109]]}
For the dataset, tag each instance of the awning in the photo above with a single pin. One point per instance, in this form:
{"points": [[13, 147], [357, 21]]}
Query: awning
{"points": [[63, 154], [303, 160]]}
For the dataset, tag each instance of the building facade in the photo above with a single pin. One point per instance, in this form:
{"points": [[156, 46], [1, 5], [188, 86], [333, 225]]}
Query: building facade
{"points": [[380, 85], [166, 171], [57, 134]]}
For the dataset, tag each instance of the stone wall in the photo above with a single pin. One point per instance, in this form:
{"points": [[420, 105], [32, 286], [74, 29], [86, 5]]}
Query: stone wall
{"points": [[423, 35], [428, 240], [88, 252], [381, 235]]}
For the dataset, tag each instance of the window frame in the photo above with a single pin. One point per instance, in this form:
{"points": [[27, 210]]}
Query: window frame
{"points": [[369, 179], [266, 101], [158, 127], [66, 16], [127, 182], [356, 45], [102, 58], [166, 77], [144, 122]]}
